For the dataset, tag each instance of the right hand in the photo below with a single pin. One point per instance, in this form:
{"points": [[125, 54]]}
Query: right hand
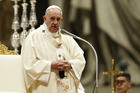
{"points": [[61, 65]]}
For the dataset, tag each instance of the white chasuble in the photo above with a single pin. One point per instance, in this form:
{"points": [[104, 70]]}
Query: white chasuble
{"points": [[40, 49]]}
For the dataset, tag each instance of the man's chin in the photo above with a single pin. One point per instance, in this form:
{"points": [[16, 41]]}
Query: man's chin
{"points": [[120, 91], [54, 30]]}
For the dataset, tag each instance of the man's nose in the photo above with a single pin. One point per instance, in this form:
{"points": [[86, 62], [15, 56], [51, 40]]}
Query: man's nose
{"points": [[119, 84], [55, 21]]}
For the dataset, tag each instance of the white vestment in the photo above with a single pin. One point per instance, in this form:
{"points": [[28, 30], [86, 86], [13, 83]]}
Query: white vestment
{"points": [[40, 49]]}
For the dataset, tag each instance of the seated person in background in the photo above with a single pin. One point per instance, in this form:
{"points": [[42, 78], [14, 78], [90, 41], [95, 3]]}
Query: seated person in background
{"points": [[123, 83]]}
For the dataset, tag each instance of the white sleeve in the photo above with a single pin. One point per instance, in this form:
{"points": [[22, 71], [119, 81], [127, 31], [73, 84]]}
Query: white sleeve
{"points": [[77, 58], [34, 68]]}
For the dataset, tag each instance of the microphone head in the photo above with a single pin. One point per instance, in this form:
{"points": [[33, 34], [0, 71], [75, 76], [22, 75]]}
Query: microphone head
{"points": [[63, 31], [66, 32]]}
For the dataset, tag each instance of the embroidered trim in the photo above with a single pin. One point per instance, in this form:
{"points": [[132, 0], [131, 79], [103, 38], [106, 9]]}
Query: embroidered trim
{"points": [[65, 87]]}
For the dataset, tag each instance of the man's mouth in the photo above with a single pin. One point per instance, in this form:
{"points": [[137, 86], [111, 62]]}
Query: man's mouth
{"points": [[55, 27], [119, 88]]}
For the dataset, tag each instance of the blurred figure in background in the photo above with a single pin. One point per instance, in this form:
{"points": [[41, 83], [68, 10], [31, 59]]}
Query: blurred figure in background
{"points": [[123, 83]]}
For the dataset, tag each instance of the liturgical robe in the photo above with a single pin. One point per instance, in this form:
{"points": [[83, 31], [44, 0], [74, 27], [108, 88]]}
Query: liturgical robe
{"points": [[39, 50]]}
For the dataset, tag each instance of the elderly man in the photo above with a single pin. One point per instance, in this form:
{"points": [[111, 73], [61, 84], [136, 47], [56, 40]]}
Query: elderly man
{"points": [[53, 62], [123, 83]]}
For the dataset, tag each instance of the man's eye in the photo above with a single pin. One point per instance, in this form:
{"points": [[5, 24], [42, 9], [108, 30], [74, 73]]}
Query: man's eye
{"points": [[52, 18], [58, 19], [120, 81]]}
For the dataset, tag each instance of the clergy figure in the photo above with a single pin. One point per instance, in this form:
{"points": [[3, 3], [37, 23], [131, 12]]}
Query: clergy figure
{"points": [[53, 62]]}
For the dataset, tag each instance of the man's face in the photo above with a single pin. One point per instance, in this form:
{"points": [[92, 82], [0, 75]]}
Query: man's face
{"points": [[122, 84], [53, 19]]}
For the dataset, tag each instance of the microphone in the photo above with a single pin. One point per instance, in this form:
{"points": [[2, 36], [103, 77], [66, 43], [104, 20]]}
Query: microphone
{"points": [[61, 74], [79, 38], [72, 35]]}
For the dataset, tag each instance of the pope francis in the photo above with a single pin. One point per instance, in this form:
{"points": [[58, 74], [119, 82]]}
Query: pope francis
{"points": [[53, 62]]}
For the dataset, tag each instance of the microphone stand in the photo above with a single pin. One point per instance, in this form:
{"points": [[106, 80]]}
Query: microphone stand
{"points": [[79, 38]]}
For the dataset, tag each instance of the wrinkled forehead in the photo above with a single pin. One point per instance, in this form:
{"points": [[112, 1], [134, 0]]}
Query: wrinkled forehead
{"points": [[54, 13]]}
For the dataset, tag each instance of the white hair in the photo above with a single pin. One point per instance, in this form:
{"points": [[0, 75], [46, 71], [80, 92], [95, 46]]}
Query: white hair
{"points": [[53, 6]]}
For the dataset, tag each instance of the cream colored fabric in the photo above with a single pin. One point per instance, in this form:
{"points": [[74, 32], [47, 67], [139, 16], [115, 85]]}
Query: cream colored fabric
{"points": [[39, 77], [11, 74]]}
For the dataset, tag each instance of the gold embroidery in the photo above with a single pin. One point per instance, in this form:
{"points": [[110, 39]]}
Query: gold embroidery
{"points": [[57, 36], [36, 58], [58, 45], [65, 87], [4, 50], [58, 40]]}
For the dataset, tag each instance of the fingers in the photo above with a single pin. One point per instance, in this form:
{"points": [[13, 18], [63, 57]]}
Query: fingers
{"points": [[67, 66], [61, 65]]}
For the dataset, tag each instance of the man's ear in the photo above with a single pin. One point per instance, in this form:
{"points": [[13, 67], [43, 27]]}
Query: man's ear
{"points": [[44, 17], [62, 19], [130, 84]]}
